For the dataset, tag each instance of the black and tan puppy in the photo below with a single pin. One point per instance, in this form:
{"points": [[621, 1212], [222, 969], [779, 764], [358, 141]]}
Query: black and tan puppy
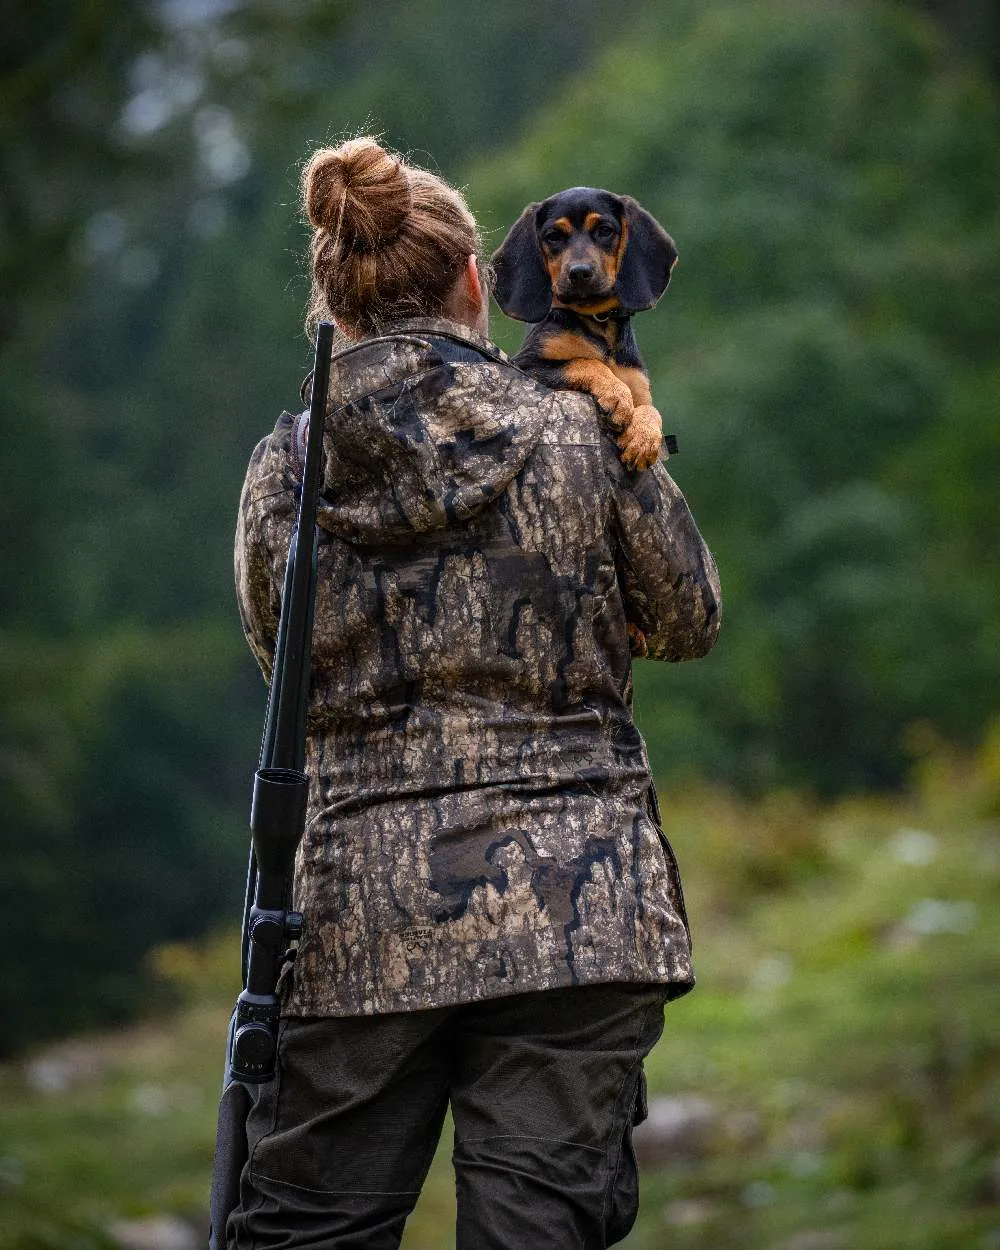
{"points": [[579, 264]]}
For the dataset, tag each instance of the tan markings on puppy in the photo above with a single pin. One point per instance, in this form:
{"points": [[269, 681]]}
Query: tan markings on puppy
{"points": [[638, 646], [611, 262], [553, 264], [591, 220], [568, 346], [642, 438], [636, 381], [622, 244], [596, 378]]}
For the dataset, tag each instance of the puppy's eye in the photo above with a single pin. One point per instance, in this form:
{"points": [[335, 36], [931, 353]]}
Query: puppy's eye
{"points": [[604, 233], [552, 238]]}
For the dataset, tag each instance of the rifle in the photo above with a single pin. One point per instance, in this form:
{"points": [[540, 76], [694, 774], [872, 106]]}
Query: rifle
{"points": [[277, 822]]}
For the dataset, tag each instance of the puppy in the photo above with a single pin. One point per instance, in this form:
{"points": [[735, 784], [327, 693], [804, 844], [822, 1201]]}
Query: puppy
{"points": [[579, 264]]}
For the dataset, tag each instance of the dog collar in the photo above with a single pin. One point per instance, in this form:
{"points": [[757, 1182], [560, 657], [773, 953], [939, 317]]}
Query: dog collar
{"points": [[613, 314]]}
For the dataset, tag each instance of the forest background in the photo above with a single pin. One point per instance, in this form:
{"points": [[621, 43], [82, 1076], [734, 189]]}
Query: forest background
{"points": [[828, 354]]}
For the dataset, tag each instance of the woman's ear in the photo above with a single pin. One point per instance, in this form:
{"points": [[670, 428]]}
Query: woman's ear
{"points": [[522, 287], [649, 257], [475, 297], [473, 283]]}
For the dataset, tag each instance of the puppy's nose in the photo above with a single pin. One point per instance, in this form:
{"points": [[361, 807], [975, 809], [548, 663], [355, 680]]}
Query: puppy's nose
{"points": [[580, 272]]}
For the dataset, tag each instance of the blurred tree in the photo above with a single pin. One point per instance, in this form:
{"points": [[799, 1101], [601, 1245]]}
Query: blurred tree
{"points": [[108, 103], [63, 77], [974, 25]]}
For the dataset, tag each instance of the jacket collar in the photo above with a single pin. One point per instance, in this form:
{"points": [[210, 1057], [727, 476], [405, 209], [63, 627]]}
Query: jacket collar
{"points": [[452, 329]]}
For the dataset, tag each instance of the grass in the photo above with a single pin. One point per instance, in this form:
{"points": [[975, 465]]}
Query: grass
{"points": [[845, 1033]]}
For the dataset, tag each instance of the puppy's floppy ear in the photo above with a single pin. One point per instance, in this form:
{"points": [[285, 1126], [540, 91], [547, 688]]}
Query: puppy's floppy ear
{"points": [[650, 255], [522, 287]]}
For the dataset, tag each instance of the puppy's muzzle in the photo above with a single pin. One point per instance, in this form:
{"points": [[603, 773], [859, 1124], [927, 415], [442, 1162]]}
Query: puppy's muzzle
{"points": [[581, 281]]}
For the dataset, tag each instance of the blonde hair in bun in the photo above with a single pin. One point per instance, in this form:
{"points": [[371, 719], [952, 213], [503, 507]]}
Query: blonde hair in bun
{"points": [[389, 238], [357, 189]]}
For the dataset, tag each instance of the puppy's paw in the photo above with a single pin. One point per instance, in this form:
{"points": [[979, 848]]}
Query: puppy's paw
{"points": [[641, 439], [637, 645], [616, 400]]}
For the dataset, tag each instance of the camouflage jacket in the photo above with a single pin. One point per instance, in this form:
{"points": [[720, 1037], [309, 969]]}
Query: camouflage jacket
{"points": [[482, 818]]}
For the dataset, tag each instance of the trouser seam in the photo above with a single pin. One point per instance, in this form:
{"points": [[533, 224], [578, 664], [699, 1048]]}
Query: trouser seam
{"points": [[560, 1141], [610, 1187], [307, 1189]]}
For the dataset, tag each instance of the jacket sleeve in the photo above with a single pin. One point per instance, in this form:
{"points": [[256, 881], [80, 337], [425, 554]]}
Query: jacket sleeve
{"points": [[264, 529], [667, 575]]}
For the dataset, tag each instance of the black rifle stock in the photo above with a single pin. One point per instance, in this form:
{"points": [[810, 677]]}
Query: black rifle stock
{"points": [[277, 822]]}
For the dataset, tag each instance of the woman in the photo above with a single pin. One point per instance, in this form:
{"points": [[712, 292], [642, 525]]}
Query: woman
{"points": [[493, 919]]}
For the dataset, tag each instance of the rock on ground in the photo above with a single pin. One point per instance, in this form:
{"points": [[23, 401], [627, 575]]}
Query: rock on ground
{"points": [[159, 1232], [682, 1126]]}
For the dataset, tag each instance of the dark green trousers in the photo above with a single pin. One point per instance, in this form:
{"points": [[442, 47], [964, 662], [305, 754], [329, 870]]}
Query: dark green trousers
{"points": [[544, 1089]]}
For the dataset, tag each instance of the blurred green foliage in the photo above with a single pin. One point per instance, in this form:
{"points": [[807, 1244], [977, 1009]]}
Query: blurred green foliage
{"points": [[841, 1045], [828, 354], [832, 328]]}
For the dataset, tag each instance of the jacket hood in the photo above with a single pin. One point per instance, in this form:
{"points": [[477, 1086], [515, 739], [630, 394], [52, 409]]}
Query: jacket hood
{"points": [[425, 426]]}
